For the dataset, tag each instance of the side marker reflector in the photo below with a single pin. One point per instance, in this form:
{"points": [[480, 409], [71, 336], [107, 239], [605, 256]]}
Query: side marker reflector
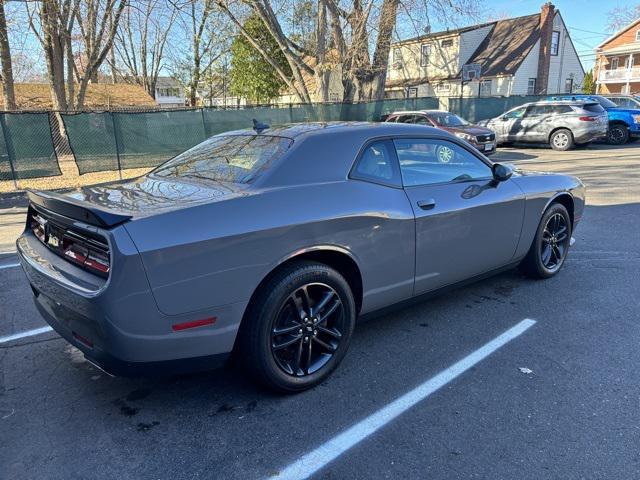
{"points": [[193, 324]]}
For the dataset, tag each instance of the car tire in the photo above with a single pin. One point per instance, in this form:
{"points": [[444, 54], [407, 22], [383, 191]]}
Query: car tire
{"points": [[317, 341], [551, 244], [618, 134], [561, 140]]}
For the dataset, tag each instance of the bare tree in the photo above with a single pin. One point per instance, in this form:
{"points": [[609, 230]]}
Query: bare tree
{"points": [[52, 24], [98, 22], [141, 40], [207, 35], [620, 17], [6, 77]]}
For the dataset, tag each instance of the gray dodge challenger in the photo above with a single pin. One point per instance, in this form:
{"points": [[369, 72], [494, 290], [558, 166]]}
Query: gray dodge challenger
{"points": [[270, 242]]}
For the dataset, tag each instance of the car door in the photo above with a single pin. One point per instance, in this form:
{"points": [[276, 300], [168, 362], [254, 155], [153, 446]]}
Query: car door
{"points": [[511, 122], [466, 222], [536, 124]]}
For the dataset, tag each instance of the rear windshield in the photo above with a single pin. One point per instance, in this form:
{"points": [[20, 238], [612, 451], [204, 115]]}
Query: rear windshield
{"points": [[593, 108], [232, 158]]}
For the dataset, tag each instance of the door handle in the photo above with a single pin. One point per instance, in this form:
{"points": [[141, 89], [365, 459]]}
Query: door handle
{"points": [[427, 204]]}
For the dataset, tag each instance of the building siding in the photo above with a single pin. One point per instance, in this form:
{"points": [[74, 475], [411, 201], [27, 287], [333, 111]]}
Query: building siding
{"points": [[528, 69], [566, 64]]}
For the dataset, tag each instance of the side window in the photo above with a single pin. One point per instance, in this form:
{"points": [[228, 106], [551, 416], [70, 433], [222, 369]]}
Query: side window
{"points": [[421, 120], [429, 161], [560, 109], [377, 164], [405, 119], [536, 110], [518, 113]]}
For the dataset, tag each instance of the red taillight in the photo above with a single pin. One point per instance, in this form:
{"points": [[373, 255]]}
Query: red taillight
{"points": [[97, 261], [588, 119], [86, 250]]}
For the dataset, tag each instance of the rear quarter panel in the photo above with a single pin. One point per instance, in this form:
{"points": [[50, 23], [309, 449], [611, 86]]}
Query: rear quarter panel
{"points": [[216, 254]]}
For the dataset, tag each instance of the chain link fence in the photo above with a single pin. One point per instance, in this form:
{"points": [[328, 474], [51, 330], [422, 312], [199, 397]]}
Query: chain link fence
{"points": [[34, 145]]}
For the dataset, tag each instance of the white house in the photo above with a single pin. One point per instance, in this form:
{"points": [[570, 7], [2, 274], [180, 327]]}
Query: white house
{"points": [[169, 93], [526, 55]]}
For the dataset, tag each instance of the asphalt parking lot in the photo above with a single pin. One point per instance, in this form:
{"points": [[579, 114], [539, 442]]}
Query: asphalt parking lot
{"points": [[559, 400]]}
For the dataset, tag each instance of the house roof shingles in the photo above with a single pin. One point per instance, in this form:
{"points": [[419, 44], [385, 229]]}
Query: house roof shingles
{"points": [[507, 45]]}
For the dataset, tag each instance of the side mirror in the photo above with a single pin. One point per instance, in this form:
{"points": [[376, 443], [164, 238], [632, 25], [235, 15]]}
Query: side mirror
{"points": [[501, 173]]}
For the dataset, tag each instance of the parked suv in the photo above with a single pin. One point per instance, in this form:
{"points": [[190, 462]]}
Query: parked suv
{"points": [[482, 138], [624, 122], [561, 124]]}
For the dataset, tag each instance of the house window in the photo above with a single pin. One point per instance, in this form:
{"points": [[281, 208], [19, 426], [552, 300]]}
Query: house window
{"points": [[412, 92], [628, 62], [447, 43], [555, 42], [443, 87], [397, 55], [485, 88], [425, 51], [334, 97], [568, 85], [638, 36], [531, 86], [614, 63]]}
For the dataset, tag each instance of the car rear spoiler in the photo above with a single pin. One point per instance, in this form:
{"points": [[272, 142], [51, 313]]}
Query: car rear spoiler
{"points": [[75, 209]]}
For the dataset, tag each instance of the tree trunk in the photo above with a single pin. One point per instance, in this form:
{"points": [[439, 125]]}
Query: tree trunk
{"points": [[7, 69]]}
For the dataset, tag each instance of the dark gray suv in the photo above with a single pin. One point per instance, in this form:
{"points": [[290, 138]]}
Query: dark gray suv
{"points": [[562, 124]]}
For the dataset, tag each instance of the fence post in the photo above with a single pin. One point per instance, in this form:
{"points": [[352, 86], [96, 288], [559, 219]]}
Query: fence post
{"points": [[3, 125], [115, 137], [204, 124]]}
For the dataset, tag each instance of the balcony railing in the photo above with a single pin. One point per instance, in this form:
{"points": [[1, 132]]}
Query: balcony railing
{"points": [[620, 75]]}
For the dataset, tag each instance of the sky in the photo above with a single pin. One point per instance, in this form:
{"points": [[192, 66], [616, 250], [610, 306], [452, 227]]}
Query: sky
{"points": [[586, 20]]}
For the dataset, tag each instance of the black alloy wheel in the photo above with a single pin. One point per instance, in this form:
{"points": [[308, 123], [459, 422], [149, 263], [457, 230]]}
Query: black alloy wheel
{"points": [[550, 246], [555, 242], [298, 327], [618, 134], [308, 329]]}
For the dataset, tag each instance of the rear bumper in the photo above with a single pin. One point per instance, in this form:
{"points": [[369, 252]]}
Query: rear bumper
{"points": [[119, 327], [67, 324], [590, 135]]}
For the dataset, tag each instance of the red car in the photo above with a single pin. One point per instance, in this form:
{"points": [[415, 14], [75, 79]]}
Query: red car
{"points": [[480, 137]]}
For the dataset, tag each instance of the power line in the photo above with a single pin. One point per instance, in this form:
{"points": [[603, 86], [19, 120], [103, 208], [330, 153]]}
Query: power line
{"points": [[590, 31]]}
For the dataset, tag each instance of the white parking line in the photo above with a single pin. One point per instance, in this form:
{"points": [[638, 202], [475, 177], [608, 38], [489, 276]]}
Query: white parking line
{"points": [[10, 265], [28, 333], [330, 450]]}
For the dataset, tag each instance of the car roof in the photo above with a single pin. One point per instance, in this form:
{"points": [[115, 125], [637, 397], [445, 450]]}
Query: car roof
{"points": [[576, 102], [413, 112], [360, 129]]}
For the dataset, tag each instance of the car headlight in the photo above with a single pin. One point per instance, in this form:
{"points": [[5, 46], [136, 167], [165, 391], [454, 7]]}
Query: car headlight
{"points": [[464, 136], [636, 118]]}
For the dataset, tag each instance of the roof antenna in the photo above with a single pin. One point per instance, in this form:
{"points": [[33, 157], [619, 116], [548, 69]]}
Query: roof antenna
{"points": [[259, 126]]}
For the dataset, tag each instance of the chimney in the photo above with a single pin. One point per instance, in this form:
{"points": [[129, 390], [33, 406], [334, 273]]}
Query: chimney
{"points": [[546, 29]]}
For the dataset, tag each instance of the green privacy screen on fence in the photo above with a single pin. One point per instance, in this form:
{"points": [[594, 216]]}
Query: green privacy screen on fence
{"points": [[92, 140], [149, 139], [26, 147], [476, 109], [112, 140]]}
